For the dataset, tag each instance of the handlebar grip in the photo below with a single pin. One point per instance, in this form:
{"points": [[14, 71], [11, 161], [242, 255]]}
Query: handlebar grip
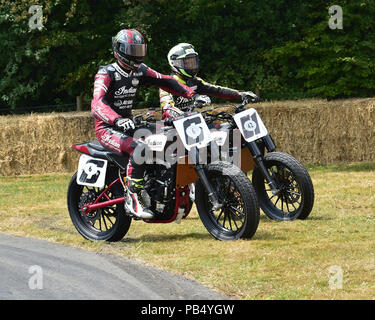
{"points": [[151, 119], [169, 121]]}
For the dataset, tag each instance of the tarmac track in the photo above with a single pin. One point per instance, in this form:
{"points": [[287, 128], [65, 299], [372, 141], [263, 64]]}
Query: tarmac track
{"points": [[33, 269]]}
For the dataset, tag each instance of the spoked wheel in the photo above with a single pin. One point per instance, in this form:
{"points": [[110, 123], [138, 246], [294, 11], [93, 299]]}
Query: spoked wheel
{"points": [[238, 216], [109, 223], [295, 197]]}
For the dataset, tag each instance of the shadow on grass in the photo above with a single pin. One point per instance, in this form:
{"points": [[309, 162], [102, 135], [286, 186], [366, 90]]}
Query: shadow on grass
{"points": [[265, 219], [259, 235], [317, 218], [169, 237]]}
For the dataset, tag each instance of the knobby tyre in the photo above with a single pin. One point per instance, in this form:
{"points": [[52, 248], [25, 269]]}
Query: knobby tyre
{"points": [[110, 223], [239, 215], [295, 199]]}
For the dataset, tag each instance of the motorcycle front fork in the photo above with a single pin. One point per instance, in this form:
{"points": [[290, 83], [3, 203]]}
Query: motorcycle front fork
{"points": [[258, 155], [258, 159], [207, 185], [199, 168]]}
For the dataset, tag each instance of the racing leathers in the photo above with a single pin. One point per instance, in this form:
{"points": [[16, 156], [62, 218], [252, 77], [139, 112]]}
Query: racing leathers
{"points": [[173, 106], [114, 91]]}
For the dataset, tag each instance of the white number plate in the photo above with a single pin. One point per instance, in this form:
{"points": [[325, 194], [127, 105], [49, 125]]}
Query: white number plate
{"points": [[91, 171], [250, 125], [193, 131]]}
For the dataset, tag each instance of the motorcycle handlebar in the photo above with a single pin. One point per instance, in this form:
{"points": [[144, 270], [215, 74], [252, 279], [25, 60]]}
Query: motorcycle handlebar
{"points": [[196, 104], [245, 101], [142, 120]]}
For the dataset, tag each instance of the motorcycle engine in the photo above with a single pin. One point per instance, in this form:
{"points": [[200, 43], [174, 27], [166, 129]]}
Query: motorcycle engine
{"points": [[160, 186]]}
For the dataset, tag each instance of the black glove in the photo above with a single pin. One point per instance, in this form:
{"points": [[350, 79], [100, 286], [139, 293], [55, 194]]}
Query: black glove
{"points": [[124, 124], [169, 121], [202, 100], [249, 96]]}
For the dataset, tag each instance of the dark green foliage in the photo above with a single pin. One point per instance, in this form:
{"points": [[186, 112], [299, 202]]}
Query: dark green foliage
{"points": [[330, 63], [284, 49]]}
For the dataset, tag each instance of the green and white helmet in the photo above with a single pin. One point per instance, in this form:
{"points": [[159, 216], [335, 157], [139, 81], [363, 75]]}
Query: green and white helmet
{"points": [[183, 60]]}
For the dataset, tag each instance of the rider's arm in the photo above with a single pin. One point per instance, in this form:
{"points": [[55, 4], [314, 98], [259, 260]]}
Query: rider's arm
{"points": [[167, 83], [209, 89], [167, 105], [99, 108]]}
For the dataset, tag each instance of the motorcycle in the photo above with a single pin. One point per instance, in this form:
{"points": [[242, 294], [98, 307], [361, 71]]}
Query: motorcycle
{"points": [[224, 197], [283, 186]]}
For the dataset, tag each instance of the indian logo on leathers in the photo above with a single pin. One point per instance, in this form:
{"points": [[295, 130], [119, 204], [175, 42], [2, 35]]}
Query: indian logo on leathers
{"points": [[123, 90], [108, 140]]}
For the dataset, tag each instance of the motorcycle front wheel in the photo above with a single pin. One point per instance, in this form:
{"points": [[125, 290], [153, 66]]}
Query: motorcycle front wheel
{"points": [[239, 215], [110, 223], [295, 198]]}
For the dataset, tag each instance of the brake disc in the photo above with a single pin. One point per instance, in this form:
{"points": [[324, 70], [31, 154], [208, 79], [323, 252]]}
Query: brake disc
{"points": [[86, 199]]}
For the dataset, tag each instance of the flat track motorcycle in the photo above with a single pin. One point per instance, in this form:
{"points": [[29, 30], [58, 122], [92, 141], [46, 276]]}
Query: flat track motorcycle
{"points": [[225, 198], [284, 188]]}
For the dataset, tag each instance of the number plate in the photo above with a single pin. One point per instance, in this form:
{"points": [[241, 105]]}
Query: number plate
{"points": [[250, 125], [91, 171], [193, 131]]}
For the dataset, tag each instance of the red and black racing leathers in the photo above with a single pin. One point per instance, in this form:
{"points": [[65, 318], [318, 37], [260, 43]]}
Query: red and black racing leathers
{"points": [[114, 91]]}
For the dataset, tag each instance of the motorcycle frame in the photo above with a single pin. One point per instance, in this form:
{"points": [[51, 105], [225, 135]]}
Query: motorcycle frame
{"points": [[182, 182]]}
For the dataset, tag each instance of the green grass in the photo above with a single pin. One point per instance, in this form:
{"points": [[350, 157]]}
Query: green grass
{"points": [[284, 260]]}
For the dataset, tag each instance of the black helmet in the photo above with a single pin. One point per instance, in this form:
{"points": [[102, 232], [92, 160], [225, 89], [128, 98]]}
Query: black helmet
{"points": [[183, 59], [129, 46]]}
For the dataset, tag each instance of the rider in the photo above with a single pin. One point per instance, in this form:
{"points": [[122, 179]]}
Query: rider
{"points": [[184, 63], [114, 90]]}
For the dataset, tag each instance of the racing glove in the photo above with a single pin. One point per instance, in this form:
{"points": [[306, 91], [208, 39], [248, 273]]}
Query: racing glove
{"points": [[124, 124], [249, 96]]}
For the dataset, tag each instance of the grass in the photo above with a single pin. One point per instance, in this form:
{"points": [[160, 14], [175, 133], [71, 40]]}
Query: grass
{"points": [[284, 260]]}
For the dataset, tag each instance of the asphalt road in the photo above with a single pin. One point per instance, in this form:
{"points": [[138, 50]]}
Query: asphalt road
{"points": [[32, 269]]}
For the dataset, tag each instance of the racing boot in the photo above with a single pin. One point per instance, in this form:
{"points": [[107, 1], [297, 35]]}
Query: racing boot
{"points": [[134, 202]]}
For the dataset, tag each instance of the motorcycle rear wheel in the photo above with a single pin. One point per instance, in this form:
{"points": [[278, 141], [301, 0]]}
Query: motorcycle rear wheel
{"points": [[296, 197], [109, 224], [239, 215]]}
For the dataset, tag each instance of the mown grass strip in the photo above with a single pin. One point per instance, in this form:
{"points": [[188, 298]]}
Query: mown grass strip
{"points": [[284, 260]]}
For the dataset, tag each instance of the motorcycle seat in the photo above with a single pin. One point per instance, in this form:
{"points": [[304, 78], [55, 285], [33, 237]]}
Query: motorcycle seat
{"points": [[98, 146], [101, 151]]}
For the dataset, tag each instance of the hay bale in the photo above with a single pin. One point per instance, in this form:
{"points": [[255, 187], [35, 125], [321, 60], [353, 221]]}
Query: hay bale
{"points": [[314, 131], [317, 131], [42, 143]]}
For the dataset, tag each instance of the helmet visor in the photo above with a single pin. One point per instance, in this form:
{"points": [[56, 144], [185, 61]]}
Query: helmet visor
{"points": [[188, 63], [134, 50]]}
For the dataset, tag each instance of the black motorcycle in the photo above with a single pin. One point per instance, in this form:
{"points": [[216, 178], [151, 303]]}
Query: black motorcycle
{"points": [[225, 198], [283, 186]]}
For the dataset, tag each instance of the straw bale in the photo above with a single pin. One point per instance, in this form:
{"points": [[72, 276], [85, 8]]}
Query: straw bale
{"points": [[314, 131]]}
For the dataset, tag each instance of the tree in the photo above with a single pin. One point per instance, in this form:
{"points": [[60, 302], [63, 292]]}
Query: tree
{"points": [[284, 49]]}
